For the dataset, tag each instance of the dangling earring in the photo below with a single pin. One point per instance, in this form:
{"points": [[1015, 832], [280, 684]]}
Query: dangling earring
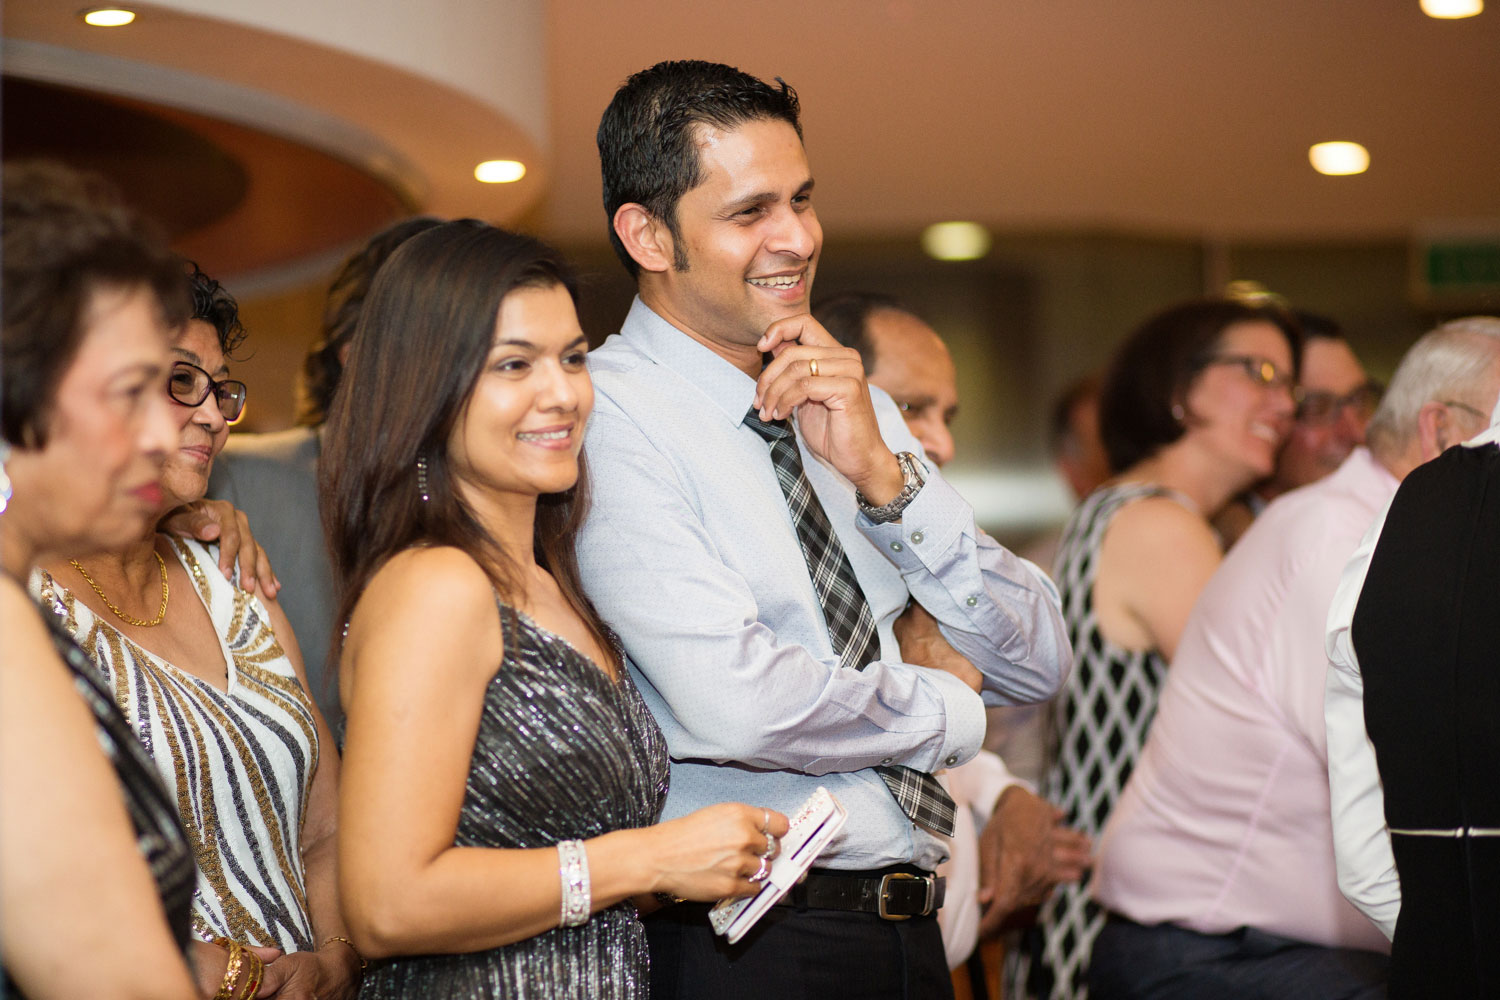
{"points": [[5, 488], [422, 478]]}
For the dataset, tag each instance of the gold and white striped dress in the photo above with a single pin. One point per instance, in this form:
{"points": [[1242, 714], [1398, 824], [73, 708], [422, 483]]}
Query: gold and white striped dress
{"points": [[240, 762]]}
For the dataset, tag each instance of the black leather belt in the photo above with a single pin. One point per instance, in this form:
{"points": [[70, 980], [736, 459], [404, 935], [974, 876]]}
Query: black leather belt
{"points": [[892, 895]]}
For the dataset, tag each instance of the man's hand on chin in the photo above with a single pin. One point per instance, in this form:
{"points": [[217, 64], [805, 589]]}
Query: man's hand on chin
{"points": [[824, 383]]}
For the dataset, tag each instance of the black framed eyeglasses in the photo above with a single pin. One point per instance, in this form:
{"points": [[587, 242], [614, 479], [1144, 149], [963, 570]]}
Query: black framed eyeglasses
{"points": [[190, 385], [1314, 407], [1261, 371]]}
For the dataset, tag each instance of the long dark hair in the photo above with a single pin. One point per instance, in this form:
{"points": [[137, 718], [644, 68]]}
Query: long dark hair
{"points": [[423, 337], [324, 364]]}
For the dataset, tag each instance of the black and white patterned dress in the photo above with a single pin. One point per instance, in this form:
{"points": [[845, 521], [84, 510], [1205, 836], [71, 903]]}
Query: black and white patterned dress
{"points": [[1099, 724], [563, 752]]}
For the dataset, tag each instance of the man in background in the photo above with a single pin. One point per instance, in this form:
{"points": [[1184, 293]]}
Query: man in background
{"points": [[1022, 850], [1412, 696]]}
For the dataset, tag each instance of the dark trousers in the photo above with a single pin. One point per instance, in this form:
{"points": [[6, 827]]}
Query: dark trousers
{"points": [[793, 954], [1134, 962]]}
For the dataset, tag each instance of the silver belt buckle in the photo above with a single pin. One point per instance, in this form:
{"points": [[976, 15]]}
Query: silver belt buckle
{"points": [[885, 881]]}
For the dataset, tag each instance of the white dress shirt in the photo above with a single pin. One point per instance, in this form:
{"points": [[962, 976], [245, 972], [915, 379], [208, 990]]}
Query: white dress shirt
{"points": [[1361, 839], [688, 551]]}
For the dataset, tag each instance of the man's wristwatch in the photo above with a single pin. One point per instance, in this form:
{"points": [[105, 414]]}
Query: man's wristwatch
{"points": [[914, 477]]}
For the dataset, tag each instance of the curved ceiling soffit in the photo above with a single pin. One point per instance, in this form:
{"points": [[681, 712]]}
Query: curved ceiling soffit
{"points": [[415, 135], [215, 98]]}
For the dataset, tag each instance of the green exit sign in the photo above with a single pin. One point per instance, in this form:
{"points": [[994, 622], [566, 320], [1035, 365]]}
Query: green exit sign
{"points": [[1458, 269], [1463, 265]]}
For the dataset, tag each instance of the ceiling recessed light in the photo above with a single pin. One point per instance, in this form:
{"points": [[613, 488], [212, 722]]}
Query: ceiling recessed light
{"points": [[1450, 9], [107, 17], [1339, 159], [500, 171], [956, 240]]}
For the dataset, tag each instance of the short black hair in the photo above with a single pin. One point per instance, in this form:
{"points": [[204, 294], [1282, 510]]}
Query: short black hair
{"points": [[1317, 327], [846, 316], [1153, 369], [646, 138], [216, 307], [322, 368], [66, 236], [1060, 431]]}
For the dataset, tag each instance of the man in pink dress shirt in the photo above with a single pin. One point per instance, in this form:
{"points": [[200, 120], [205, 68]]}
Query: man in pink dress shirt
{"points": [[1217, 865]]}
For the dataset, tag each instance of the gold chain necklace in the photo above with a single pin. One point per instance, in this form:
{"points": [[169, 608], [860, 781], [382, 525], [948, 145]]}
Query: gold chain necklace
{"points": [[138, 622]]}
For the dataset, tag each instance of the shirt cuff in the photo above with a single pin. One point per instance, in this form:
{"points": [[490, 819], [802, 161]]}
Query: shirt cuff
{"points": [[929, 526], [965, 716], [980, 783]]}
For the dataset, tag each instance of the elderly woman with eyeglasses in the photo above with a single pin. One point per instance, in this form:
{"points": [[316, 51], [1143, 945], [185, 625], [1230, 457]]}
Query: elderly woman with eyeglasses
{"points": [[1195, 407], [211, 679]]}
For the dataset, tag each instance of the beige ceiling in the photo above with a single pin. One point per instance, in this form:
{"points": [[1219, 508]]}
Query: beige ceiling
{"points": [[1178, 117], [1186, 117]]}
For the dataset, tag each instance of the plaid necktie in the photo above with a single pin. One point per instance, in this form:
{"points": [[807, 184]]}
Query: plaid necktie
{"points": [[850, 624]]}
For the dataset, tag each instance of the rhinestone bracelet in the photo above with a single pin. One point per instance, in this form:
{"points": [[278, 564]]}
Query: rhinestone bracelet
{"points": [[573, 869]]}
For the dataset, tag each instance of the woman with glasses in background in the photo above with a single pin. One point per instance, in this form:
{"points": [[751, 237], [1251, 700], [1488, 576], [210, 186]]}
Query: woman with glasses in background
{"points": [[211, 679], [1335, 400], [1196, 405]]}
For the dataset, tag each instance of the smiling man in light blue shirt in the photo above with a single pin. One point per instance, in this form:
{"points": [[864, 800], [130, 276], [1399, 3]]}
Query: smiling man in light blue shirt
{"points": [[691, 553]]}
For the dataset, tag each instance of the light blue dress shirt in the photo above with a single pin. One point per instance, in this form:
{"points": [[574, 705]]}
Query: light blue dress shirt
{"points": [[689, 553]]}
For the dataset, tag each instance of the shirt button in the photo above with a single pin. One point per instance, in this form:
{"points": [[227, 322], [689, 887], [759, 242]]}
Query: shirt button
{"points": [[916, 538], [897, 547], [952, 759], [971, 601], [887, 760]]}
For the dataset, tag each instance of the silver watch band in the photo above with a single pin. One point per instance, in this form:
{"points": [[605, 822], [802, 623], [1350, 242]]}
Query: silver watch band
{"points": [[915, 478]]}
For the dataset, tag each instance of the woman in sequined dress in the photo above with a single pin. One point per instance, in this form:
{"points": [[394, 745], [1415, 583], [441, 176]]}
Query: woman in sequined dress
{"points": [[211, 679], [96, 875], [1194, 409], [492, 726]]}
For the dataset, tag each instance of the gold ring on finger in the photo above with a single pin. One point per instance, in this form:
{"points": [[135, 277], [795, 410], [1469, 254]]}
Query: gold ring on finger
{"points": [[813, 366]]}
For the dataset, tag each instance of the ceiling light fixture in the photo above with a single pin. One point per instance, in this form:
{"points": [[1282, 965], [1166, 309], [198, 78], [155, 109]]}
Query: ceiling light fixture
{"points": [[500, 171], [1449, 10], [1339, 159], [107, 17], [956, 240]]}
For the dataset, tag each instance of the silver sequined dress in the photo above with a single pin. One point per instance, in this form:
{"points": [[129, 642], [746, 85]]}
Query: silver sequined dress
{"points": [[563, 753]]}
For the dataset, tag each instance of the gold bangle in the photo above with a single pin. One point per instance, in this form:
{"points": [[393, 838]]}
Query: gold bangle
{"points": [[255, 971], [227, 990], [340, 938]]}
